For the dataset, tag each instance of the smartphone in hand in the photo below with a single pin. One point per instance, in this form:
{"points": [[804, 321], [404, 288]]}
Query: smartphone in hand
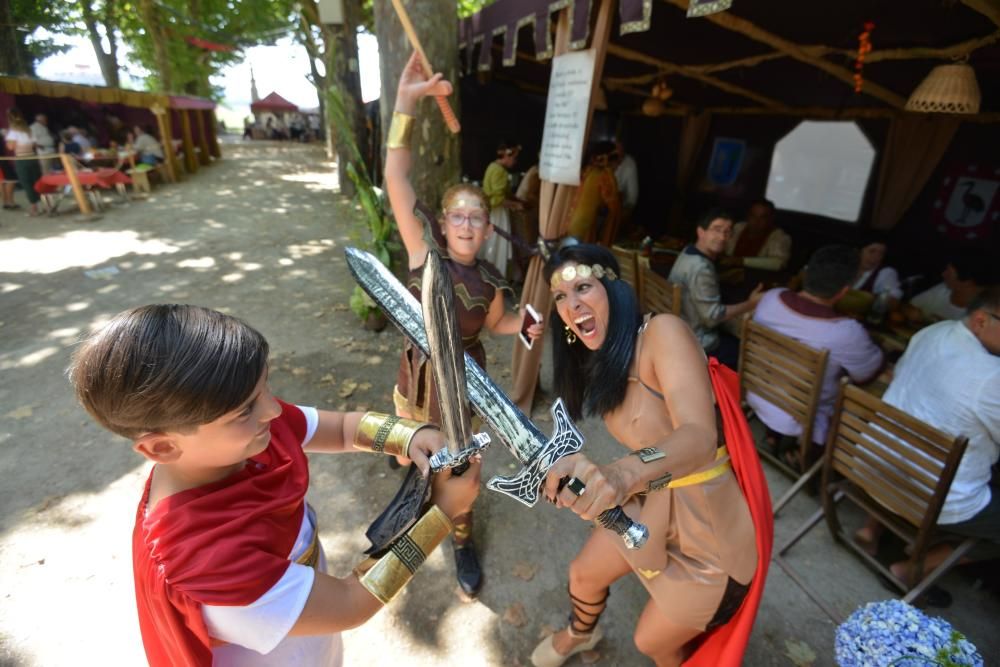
{"points": [[531, 317]]}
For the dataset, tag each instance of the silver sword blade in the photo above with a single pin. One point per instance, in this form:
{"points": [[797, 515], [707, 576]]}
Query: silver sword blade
{"points": [[444, 341], [521, 437]]}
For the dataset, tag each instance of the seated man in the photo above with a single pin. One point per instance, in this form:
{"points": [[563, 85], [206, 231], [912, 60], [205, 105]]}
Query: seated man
{"points": [[147, 147], [964, 276], [808, 316], [949, 377], [758, 243], [701, 306]]}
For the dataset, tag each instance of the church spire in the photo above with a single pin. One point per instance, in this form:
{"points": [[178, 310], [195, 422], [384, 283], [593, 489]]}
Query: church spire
{"points": [[254, 95]]}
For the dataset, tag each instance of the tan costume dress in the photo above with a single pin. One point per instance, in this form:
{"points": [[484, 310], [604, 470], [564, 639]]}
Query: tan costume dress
{"points": [[701, 552]]}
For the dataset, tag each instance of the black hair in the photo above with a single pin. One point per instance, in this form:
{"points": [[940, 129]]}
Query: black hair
{"points": [[594, 383], [831, 269], [714, 214], [975, 264], [766, 203], [987, 299]]}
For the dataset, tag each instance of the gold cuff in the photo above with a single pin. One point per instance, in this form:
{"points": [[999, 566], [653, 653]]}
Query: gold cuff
{"points": [[400, 130], [386, 434], [394, 570]]}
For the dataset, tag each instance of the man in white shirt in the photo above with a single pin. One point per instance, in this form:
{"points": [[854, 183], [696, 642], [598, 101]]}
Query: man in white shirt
{"points": [[627, 177], [44, 142], [949, 377], [966, 274], [758, 243], [149, 149]]}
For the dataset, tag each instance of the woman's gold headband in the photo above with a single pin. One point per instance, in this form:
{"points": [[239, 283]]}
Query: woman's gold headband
{"points": [[582, 271]]}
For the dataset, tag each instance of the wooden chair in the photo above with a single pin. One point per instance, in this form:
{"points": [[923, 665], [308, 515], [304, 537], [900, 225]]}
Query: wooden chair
{"points": [[628, 261], [659, 295], [788, 375], [897, 469]]}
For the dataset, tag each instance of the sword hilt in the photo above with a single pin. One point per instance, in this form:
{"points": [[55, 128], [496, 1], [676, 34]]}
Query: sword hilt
{"points": [[634, 534], [459, 462]]}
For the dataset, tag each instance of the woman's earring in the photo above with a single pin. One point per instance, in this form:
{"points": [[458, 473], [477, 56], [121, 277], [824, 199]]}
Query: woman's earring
{"points": [[570, 336]]}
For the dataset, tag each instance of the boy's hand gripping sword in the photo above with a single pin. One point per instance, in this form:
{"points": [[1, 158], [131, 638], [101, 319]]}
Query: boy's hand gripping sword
{"points": [[524, 440]]}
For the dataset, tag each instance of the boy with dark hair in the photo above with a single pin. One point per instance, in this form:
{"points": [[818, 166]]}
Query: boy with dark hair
{"points": [[808, 316], [226, 557], [701, 303]]}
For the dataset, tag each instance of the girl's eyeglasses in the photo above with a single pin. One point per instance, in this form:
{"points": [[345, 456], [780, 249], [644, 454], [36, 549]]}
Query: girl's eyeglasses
{"points": [[456, 219]]}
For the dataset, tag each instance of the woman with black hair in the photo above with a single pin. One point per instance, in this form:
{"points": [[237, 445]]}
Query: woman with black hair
{"points": [[709, 543]]}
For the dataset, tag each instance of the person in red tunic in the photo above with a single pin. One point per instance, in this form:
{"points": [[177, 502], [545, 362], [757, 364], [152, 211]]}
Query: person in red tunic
{"points": [[690, 473], [226, 557], [457, 232]]}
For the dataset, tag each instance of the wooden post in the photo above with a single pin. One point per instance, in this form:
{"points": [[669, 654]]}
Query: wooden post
{"points": [[204, 157], [167, 140], [213, 134], [190, 159], [74, 182]]}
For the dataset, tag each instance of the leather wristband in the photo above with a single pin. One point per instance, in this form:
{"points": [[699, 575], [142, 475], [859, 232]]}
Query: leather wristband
{"points": [[390, 573], [386, 434], [400, 130]]}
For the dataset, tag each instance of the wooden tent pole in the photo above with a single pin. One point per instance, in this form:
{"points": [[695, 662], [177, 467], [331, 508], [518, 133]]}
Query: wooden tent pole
{"points": [[742, 26], [988, 8], [74, 182], [671, 68], [213, 133], [190, 159], [204, 156]]}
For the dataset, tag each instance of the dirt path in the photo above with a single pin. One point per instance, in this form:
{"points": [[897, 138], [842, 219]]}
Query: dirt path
{"points": [[261, 235]]}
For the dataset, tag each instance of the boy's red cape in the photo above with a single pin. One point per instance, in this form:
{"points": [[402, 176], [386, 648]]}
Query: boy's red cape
{"points": [[724, 647], [225, 543]]}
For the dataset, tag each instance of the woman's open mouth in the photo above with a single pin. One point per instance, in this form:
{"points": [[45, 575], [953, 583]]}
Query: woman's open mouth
{"points": [[586, 325]]}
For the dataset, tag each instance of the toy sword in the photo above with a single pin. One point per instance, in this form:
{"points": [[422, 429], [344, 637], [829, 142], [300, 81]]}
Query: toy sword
{"points": [[524, 440]]}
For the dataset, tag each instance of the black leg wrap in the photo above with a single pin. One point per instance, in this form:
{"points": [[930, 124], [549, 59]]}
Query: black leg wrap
{"points": [[585, 615]]}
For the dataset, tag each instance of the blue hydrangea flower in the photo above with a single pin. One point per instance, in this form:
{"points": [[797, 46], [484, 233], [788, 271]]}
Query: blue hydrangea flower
{"points": [[892, 633]]}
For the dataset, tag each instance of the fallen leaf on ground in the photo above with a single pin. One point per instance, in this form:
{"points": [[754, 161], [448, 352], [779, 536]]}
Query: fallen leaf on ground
{"points": [[373, 360], [514, 615], [365, 386], [347, 388], [299, 371], [340, 307], [381, 348], [326, 379], [525, 571], [22, 412], [799, 653]]}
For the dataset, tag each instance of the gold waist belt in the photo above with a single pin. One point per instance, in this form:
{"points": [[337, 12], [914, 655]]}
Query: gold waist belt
{"points": [[310, 556], [704, 475]]}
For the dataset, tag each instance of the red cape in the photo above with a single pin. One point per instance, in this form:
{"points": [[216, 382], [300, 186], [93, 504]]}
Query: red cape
{"points": [[225, 543], [724, 647]]}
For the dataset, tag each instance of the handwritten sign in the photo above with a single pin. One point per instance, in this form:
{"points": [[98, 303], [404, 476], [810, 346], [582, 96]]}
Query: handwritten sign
{"points": [[566, 117]]}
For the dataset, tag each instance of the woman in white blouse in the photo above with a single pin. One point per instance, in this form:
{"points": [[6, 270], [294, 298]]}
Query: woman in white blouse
{"points": [[21, 145]]}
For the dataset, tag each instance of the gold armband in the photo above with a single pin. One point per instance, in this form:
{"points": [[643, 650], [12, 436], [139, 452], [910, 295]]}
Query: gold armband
{"points": [[387, 576], [386, 434], [400, 130]]}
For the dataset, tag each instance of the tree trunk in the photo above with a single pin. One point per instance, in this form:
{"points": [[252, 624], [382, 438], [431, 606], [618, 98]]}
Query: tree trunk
{"points": [[347, 79], [107, 61], [151, 18], [435, 150], [15, 60]]}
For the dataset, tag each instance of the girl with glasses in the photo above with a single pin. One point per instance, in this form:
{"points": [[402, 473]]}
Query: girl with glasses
{"points": [[457, 233]]}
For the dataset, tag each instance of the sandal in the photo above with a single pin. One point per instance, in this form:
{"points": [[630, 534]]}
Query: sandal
{"points": [[546, 655]]}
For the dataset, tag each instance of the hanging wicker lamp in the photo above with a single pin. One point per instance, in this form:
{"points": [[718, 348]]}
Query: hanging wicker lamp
{"points": [[947, 89]]}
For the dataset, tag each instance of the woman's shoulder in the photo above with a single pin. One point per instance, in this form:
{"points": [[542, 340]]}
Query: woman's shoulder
{"points": [[665, 325]]}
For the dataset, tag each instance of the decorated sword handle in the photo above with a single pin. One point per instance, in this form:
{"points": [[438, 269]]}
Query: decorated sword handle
{"points": [[633, 533]]}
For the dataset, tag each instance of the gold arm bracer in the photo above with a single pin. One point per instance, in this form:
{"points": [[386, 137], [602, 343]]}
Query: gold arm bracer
{"points": [[400, 130], [386, 434], [390, 573]]}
